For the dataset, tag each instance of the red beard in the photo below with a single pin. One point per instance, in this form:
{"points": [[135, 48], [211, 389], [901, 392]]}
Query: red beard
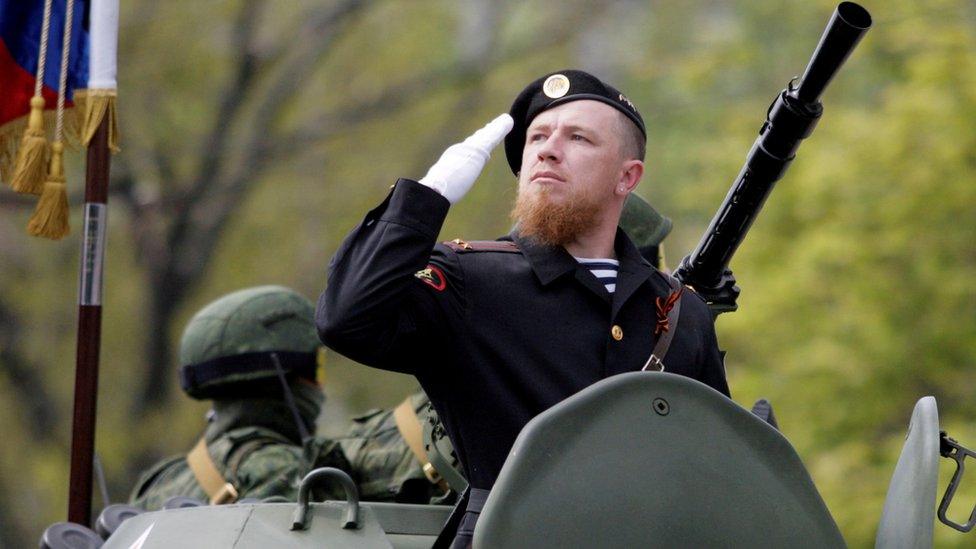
{"points": [[554, 223]]}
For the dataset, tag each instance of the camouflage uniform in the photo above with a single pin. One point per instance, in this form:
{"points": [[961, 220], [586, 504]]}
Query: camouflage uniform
{"points": [[235, 352], [250, 452], [381, 461]]}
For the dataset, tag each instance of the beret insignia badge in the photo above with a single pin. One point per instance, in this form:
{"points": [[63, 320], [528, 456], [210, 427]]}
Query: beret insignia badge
{"points": [[433, 277], [623, 99], [556, 86]]}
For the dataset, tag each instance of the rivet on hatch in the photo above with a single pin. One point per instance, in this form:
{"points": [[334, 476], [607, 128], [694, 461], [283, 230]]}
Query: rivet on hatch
{"points": [[661, 406]]}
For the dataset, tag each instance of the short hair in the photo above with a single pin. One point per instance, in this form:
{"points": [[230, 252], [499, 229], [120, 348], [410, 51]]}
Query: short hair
{"points": [[633, 144]]}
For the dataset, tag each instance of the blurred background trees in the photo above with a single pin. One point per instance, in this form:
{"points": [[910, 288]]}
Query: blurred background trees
{"points": [[257, 133]]}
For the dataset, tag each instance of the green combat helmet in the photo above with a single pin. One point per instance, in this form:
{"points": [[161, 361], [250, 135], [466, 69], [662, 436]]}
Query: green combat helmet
{"points": [[247, 344], [254, 354], [646, 227]]}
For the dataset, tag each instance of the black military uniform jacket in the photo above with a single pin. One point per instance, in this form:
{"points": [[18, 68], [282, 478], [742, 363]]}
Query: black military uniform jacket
{"points": [[496, 336]]}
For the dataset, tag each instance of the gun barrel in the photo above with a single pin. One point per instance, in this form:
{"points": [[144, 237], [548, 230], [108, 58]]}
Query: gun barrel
{"points": [[844, 30], [791, 118]]}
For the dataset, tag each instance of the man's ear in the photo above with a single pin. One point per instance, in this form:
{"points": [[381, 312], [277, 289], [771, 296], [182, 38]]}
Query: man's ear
{"points": [[630, 176]]}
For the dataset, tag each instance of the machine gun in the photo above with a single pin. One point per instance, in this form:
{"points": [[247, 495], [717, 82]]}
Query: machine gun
{"points": [[790, 119]]}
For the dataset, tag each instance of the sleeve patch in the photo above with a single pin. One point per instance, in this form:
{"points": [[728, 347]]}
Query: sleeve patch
{"points": [[433, 277]]}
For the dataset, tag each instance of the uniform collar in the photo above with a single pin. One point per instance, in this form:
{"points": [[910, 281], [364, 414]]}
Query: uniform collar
{"points": [[634, 270], [550, 262], [629, 256], [269, 413]]}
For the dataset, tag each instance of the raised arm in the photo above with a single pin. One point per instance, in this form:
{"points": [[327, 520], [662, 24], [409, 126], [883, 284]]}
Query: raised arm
{"points": [[378, 308]]}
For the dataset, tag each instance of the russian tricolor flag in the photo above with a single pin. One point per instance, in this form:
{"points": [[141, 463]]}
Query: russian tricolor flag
{"points": [[20, 37], [73, 43]]}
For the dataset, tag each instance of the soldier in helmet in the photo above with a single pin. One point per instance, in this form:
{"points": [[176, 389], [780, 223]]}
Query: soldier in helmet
{"points": [[253, 353]]}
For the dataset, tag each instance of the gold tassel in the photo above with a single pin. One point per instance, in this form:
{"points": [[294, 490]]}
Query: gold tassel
{"points": [[74, 121], [50, 219], [28, 174], [7, 155], [80, 99], [97, 104], [12, 132]]}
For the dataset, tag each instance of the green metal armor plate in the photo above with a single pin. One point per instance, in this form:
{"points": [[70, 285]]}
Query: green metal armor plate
{"points": [[653, 460], [908, 518]]}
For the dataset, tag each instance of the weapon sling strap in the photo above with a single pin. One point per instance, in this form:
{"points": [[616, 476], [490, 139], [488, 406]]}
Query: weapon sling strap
{"points": [[208, 476], [434, 431], [410, 429], [446, 537], [671, 307]]}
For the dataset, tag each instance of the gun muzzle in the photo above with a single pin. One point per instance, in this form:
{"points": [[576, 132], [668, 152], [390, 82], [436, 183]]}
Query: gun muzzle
{"points": [[844, 30]]}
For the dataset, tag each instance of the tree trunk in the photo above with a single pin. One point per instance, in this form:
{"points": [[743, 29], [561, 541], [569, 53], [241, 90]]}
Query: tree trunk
{"points": [[25, 379], [161, 369]]}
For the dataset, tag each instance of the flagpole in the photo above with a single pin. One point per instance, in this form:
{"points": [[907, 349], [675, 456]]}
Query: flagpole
{"points": [[89, 327]]}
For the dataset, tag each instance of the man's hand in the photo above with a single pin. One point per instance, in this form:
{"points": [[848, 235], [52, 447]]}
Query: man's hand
{"points": [[460, 165]]}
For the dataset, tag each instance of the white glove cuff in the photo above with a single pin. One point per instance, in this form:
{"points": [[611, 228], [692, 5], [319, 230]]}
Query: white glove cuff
{"points": [[461, 164]]}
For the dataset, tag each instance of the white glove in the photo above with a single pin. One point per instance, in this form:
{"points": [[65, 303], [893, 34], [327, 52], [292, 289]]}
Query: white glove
{"points": [[454, 173]]}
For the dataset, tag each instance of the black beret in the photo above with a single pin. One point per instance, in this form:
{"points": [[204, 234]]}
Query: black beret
{"points": [[555, 89]]}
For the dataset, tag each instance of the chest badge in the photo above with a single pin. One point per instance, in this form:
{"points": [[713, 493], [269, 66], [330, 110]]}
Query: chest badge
{"points": [[433, 277]]}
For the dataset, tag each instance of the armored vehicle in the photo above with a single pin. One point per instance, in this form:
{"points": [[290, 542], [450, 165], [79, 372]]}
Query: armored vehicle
{"points": [[639, 459]]}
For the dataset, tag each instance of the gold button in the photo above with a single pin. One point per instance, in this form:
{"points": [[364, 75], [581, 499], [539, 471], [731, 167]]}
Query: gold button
{"points": [[617, 332]]}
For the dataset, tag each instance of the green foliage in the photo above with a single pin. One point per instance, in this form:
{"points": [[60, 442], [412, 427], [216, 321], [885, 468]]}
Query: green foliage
{"points": [[857, 279]]}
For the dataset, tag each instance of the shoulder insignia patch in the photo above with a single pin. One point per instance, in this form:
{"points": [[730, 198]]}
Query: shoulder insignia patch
{"points": [[461, 246], [433, 277]]}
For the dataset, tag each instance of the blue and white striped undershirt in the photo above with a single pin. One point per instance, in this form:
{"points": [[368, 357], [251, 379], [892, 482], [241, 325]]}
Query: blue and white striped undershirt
{"points": [[605, 270]]}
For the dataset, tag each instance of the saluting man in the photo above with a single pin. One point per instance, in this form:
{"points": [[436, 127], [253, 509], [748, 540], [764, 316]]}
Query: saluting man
{"points": [[496, 332]]}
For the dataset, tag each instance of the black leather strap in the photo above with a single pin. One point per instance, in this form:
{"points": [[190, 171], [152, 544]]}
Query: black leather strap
{"points": [[446, 537], [465, 531]]}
